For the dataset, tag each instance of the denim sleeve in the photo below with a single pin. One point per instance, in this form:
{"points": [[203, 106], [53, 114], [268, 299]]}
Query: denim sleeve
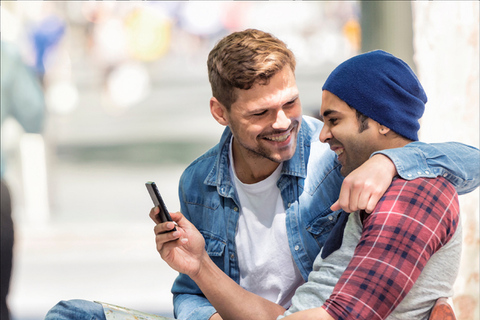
{"points": [[188, 301], [192, 307], [457, 162]]}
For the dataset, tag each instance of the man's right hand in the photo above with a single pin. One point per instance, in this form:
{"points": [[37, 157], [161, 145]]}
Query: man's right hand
{"points": [[184, 249]]}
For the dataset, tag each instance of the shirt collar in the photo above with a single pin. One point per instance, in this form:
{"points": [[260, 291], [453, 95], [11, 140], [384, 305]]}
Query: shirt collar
{"points": [[220, 174]]}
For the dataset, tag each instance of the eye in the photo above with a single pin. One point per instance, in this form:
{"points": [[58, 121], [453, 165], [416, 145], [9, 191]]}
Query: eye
{"points": [[260, 113], [332, 121], [291, 104]]}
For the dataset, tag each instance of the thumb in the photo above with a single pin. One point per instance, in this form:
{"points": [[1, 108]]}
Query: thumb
{"points": [[177, 217], [180, 220]]}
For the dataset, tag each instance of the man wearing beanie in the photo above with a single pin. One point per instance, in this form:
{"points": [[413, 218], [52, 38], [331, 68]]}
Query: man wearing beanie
{"points": [[396, 262], [391, 264], [257, 207]]}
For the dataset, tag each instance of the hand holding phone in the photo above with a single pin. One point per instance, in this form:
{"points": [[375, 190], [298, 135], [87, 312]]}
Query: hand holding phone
{"points": [[163, 215]]}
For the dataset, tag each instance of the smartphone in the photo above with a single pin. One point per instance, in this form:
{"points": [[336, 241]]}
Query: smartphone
{"points": [[163, 215]]}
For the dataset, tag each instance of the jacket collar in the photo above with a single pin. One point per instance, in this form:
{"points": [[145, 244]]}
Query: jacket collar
{"points": [[219, 175]]}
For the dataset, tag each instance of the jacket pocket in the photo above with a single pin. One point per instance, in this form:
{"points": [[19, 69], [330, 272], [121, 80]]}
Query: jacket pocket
{"points": [[215, 248], [321, 226]]}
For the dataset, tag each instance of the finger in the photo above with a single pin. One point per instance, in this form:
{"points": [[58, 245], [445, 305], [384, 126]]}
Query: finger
{"points": [[168, 250], [161, 239], [364, 198], [372, 202], [344, 194], [344, 197], [165, 227], [181, 221], [178, 217], [343, 201], [335, 206], [170, 240], [164, 247], [355, 193], [154, 214]]}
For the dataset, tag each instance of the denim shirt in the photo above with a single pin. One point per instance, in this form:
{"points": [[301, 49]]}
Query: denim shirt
{"points": [[208, 199]]}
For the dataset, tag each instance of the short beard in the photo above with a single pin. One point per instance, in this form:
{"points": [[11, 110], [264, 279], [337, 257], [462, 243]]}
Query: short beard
{"points": [[264, 153]]}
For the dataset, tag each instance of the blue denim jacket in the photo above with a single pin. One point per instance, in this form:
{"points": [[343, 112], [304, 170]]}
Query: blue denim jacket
{"points": [[208, 199]]}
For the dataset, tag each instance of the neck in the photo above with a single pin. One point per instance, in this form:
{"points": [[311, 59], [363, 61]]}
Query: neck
{"points": [[251, 168], [393, 140]]}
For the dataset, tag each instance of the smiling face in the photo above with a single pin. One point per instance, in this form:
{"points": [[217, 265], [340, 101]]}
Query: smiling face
{"points": [[342, 131], [265, 121]]}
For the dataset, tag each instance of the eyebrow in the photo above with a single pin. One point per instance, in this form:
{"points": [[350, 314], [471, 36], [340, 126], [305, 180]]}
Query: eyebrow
{"points": [[260, 109], [327, 113]]}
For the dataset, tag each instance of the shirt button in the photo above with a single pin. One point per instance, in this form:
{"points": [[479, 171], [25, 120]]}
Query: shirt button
{"points": [[409, 175], [235, 209], [427, 172], [297, 247], [419, 172], [232, 256], [288, 205], [445, 174]]}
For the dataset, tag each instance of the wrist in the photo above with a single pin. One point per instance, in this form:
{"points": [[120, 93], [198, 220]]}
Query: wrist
{"points": [[386, 163], [205, 266]]}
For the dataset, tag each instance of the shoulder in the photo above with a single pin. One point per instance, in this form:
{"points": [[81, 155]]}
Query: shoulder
{"points": [[310, 128], [207, 158], [422, 203], [425, 190], [200, 168]]}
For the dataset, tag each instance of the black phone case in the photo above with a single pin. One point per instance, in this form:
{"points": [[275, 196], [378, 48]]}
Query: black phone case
{"points": [[163, 215]]}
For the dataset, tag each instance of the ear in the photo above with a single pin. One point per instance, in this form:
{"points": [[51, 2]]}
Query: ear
{"points": [[218, 111], [383, 130]]}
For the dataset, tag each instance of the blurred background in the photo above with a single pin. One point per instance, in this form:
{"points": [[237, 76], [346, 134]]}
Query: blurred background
{"points": [[99, 97]]}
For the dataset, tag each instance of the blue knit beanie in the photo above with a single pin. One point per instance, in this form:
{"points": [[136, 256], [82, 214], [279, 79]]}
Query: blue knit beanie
{"points": [[383, 88]]}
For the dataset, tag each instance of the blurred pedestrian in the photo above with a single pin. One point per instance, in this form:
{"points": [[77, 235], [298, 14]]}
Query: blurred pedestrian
{"points": [[22, 98]]}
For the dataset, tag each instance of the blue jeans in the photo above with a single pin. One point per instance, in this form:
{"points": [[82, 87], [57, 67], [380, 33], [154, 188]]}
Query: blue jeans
{"points": [[76, 309]]}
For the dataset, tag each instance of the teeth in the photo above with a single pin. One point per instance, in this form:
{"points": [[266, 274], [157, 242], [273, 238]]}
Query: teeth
{"points": [[339, 151], [279, 138]]}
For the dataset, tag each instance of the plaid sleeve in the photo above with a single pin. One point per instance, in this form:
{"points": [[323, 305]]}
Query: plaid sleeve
{"points": [[412, 221]]}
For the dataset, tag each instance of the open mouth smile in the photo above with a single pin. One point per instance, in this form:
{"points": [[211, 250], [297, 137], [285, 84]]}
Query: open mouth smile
{"points": [[338, 149], [280, 138]]}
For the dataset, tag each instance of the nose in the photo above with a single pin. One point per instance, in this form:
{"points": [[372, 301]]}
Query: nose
{"points": [[282, 122], [325, 134]]}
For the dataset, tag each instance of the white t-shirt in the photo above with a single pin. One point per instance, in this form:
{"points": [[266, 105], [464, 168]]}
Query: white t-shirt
{"points": [[266, 264]]}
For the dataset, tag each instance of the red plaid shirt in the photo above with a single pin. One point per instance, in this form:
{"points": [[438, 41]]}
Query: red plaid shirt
{"points": [[412, 221]]}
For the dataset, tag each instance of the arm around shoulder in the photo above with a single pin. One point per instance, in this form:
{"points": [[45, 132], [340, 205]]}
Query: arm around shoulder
{"points": [[457, 162]]}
